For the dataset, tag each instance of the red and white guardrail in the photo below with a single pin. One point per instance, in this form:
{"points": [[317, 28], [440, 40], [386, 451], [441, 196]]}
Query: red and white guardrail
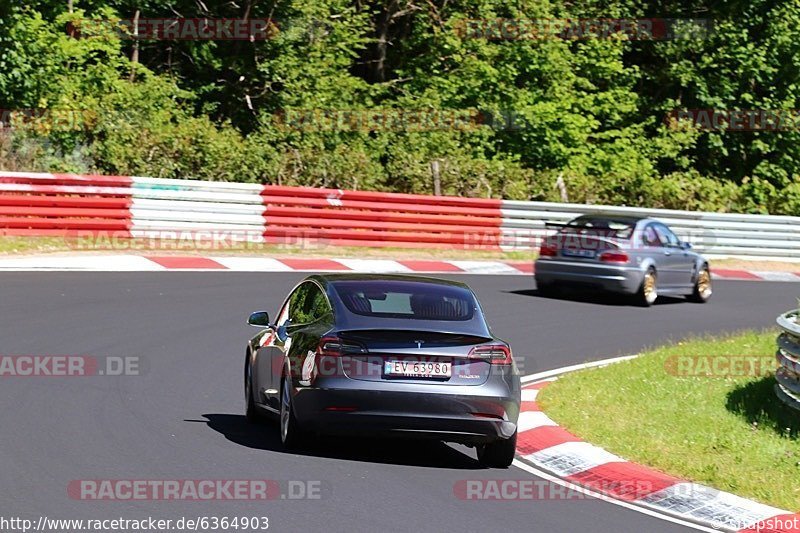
{"points": [[65, 204]]}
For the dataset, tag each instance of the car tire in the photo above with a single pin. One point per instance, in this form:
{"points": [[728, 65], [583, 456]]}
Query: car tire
{"points": [[702, 286], [498, 454], [292, 436], [648, 290], [251, 411]]}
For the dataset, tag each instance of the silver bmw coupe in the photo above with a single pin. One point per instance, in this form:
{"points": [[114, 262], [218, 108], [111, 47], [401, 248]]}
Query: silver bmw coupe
{"points": [[631, 255]]}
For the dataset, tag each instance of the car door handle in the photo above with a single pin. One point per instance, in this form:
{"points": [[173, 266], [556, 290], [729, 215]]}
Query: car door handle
{"points": [[667, 253]]}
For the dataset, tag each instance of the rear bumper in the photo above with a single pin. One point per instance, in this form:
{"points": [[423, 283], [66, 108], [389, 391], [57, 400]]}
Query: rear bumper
{"points": [[625, 279], [466, 414]]}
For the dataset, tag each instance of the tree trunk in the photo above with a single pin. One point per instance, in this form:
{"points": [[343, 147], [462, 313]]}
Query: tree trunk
{"points": [[437, 183], [135, 53], [562, 188]]}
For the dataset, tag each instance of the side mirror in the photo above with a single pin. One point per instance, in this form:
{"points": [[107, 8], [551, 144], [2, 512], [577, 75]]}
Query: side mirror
{"points": [[685, 245], [259, 319]]}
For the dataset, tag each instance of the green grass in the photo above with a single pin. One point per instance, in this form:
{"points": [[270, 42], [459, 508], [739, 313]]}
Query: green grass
{"points": [[731, 433], [31, 245]]}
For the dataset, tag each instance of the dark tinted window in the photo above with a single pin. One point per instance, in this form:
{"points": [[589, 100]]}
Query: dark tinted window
{"points": [[607, 227], [666, 236], [307, 304], [404, 299], [650, 237]]}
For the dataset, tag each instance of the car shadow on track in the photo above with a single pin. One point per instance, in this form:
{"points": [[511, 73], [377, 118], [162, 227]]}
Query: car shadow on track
{"points": [[265, 436], [596, 297]]}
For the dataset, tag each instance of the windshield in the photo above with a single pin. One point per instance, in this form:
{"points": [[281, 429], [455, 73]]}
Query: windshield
{"points": [[407, 299]]}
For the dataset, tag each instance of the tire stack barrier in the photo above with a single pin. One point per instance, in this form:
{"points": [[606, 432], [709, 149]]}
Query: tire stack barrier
{"points": [[788, 355]]}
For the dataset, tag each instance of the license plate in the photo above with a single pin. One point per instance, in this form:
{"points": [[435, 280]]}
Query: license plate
{"points": [[417, 369], [577, 253]]}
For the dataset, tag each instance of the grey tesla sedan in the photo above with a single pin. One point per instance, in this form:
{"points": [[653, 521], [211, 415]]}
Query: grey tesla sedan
{"points": [[384, 355], [631, 255]]}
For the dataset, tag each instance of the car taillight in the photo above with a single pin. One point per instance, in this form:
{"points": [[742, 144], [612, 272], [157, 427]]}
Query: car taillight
{"points": [[548, 250], [487, 415], [614, 257], [336, 347], [495, 354]]}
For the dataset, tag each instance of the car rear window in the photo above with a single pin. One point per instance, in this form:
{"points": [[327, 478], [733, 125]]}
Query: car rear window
{"points": [[405, 299], [601, 227]]}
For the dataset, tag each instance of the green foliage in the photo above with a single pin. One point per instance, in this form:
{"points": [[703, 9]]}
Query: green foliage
{"points": [[587, 113]]}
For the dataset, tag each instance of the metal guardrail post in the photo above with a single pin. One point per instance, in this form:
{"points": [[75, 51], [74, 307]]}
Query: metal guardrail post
{"points": [[788, 375]]}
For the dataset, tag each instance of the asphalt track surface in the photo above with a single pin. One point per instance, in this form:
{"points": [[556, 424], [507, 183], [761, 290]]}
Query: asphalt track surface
{"points": [[183, 418]]}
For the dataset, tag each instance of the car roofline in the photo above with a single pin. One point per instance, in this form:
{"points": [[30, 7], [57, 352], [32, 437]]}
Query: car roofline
{"points": [[616, 216], [332, 278]]}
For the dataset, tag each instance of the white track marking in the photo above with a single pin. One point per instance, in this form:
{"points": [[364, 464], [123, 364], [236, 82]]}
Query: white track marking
{"points": [[572, 458], [485, 267], [541, 376], [252, 264], [621, 503], [529, 395], [698, 502], [777, 276], [378, 266], [106, 263], [532, 420]]}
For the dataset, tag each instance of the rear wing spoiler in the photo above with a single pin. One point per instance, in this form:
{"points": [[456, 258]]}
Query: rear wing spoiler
{"points": [[556, 225], [592, 238], [599, 233]]}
